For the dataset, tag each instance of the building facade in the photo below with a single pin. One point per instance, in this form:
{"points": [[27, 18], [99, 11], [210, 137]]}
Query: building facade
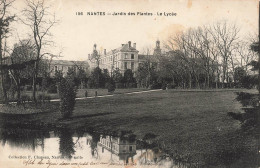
{"points": [[125, 57], [65, 65]]}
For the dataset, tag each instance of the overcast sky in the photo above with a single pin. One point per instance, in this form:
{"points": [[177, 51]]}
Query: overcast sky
{"points": [[77, 34]]}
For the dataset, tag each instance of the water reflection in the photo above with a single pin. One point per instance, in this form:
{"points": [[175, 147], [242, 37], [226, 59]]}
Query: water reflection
{"points": [[69, 145], [66, 146], [117, 149], [23, 138]]}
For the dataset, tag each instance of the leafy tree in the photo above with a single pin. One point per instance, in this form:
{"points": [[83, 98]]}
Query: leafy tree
{"points": [[5, 20], [239, 74], [142, 76], [147, 74], [71, 75], [67, 93], [82, 77], [117, 76], [96, 78], [110, 85], [128, 77], [21, 64]]}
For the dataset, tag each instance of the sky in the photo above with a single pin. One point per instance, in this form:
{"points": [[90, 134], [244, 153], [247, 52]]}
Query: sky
{"points": [[75, 35]]}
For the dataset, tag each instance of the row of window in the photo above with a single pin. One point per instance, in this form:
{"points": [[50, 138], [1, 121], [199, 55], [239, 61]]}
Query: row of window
{"points": [[116, 58], [115, 147], [132, 56], [56, 68], [132, 65], [125, 65]]}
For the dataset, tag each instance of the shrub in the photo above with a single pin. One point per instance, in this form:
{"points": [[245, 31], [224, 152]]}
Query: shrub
{"points": [[164, 86], [43, 98], [170, 86], [110, 86], [25, 98], [86, 93], [52, 89], [67, 93], [28, 87], [119, 85]]}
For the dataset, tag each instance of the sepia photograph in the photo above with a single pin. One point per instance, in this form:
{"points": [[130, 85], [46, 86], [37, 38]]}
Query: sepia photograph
{"points": [[129, 83]]}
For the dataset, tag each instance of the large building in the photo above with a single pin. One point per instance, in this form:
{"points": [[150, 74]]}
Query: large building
{"points": [[125, 57], [65, 65]]}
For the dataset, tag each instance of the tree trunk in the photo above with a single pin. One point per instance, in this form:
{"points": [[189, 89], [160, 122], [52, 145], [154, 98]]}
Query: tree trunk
{"points": [[18, 94], [197, 82], [35, 81], [190, 84], [3, 87], [2, 74]]}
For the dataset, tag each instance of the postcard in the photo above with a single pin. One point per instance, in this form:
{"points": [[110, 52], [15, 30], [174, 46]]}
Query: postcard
{"points": [[129, 83]]}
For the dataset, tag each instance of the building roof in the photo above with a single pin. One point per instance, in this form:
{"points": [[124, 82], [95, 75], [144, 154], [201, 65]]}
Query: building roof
{"points": [[123, 48], [69, 63], [142, 57]]}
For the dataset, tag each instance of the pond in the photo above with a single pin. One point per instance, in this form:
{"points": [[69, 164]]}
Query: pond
{"points": [[67, 147]]}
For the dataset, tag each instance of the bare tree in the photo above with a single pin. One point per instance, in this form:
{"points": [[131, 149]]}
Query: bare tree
{"points": [[225, 36], [204, 48], [5, 20], [40, 21], [245, 55], [186, 42]]}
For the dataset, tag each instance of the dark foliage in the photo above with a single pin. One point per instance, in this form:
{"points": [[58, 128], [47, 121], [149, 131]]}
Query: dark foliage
{"points": [[66, 147], [67, 93], [111, 86], [52, 88]]}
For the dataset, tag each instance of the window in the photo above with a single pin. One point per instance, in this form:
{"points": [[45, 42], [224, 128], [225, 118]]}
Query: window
{"points": [[132, 65], [132, 56], [125, 55], [125, 65]]}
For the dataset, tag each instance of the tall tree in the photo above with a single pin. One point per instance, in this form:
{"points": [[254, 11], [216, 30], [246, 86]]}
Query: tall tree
{"points": [[40, 21], [5, 19], [128, 77], [96, 78], [225, 35], [21, 64]]}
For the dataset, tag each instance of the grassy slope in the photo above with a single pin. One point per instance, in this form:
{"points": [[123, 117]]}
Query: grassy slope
{"points": [[192, 124]]}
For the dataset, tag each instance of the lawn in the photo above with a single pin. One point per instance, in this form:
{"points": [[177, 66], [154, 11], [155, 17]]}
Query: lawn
{"points": [[191, 126]]}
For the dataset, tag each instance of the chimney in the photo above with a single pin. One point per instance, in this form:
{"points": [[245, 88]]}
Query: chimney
{"points": [[129, 44], [105, 52], [134, 45]]}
